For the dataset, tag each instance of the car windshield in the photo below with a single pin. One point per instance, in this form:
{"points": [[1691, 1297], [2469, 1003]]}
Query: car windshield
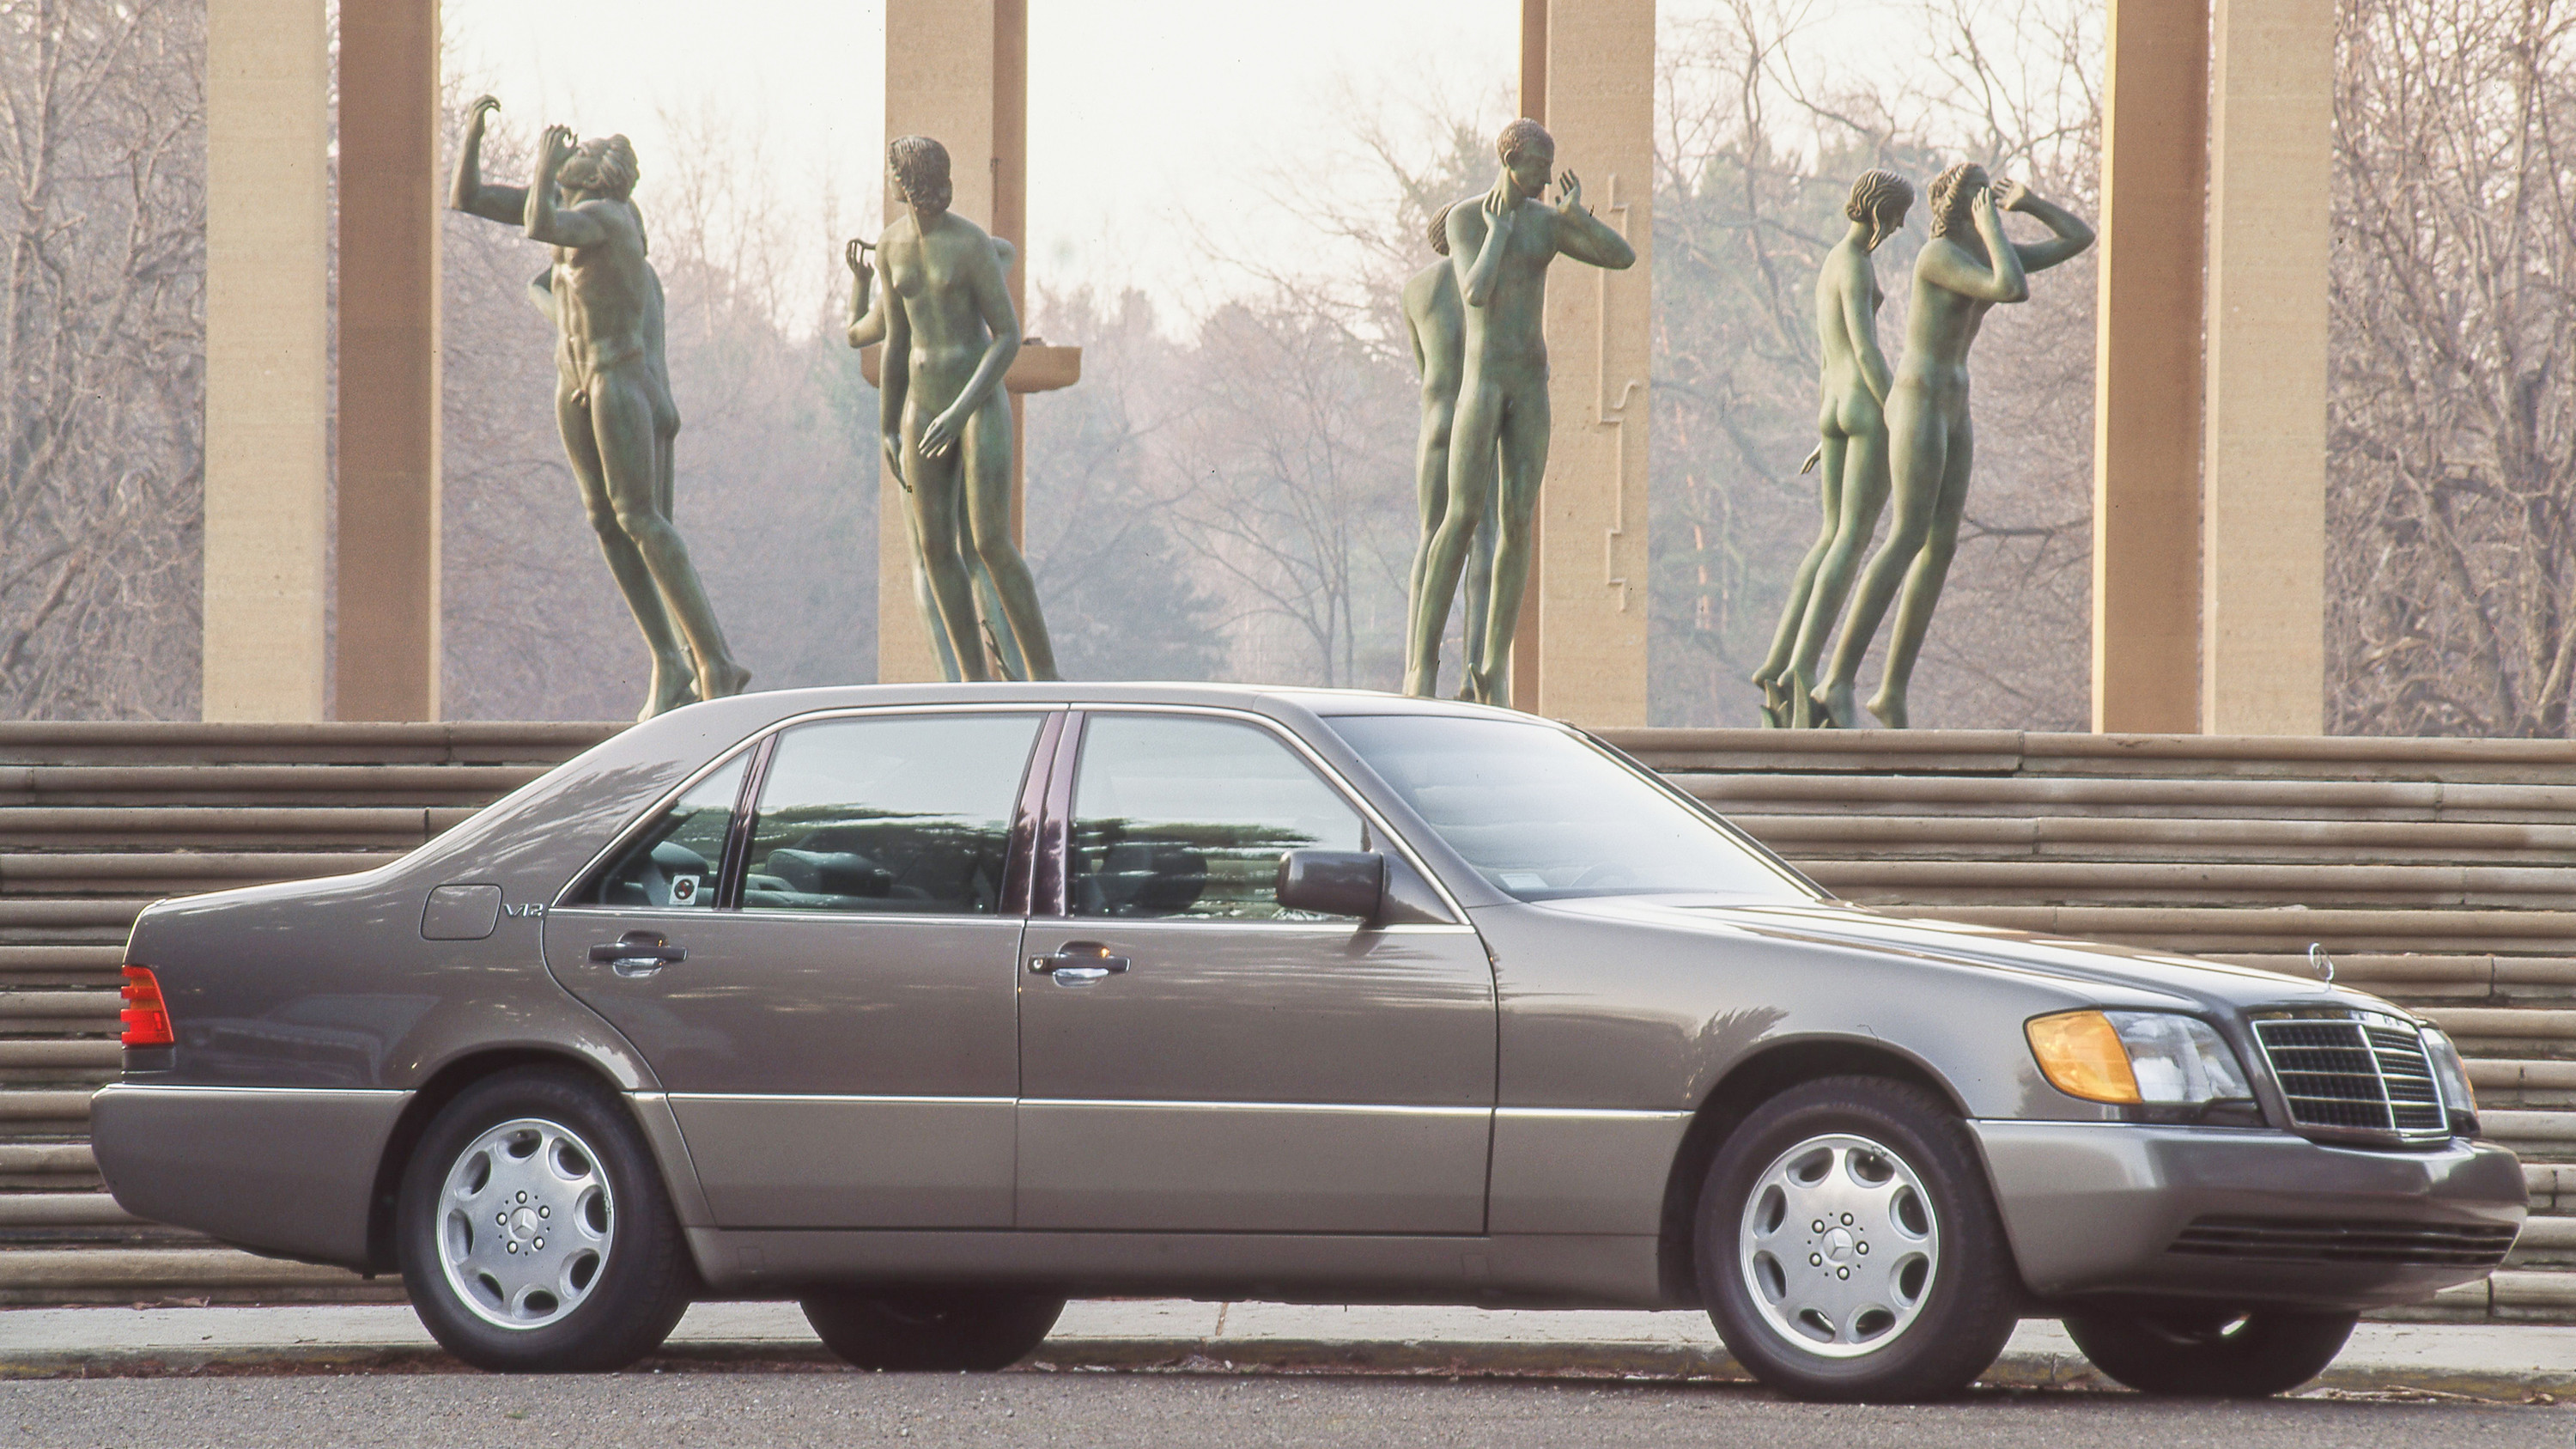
{"points": [[1544, 816]]}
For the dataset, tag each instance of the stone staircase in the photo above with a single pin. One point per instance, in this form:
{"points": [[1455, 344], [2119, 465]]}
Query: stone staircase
{"points": [[2440, 873]]}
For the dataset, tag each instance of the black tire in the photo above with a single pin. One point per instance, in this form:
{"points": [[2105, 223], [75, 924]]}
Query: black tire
{"points": [[2220, 1353], [932, 1330], [615, 1216], [1946, 1292]]}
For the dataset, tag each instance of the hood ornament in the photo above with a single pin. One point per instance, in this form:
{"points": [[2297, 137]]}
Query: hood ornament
{"points": [[2319, 961]]}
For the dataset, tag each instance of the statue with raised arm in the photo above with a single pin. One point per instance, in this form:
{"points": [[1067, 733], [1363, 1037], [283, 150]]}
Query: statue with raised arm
{"points": [[943, 418], [1500, 246], [1435, 324], [1967, 268], [866, 329], [1854, 450], [612, 393]]}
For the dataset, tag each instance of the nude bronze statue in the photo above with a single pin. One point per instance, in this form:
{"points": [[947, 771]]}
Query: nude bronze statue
{"points": [[1435, 323], [1853, 452], [943, 417], [1962, 273], [866, 329], [613, 391], [1500, 246]]}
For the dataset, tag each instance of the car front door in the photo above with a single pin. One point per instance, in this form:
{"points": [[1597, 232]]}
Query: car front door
{"points": [[1194, 1058], [833, 1010]]}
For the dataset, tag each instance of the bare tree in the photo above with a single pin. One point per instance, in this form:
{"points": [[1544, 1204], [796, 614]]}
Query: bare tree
{"points": [[2452, 438], [102, 347]]}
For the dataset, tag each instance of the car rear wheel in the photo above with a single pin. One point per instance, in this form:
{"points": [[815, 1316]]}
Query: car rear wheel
{"points": [[934, 1330], [534, 1230], [1848, 1247], [2212, 1352]]}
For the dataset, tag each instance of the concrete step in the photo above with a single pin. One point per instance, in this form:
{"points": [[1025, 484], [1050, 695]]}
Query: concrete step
{"points": [[260, 784], [2163, 883], [463, 742], [1847, 835], [92, 1275], [144, 828], [168, 873], [2008, 752], [2017, 796]]}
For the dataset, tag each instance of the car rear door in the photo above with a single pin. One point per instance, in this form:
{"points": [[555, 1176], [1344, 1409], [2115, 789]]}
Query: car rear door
{"points": [[816, 950], [1195, 1059]]}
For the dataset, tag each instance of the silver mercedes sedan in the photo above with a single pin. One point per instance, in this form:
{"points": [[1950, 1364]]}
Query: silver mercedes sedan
{"points": [[933, 1007]]}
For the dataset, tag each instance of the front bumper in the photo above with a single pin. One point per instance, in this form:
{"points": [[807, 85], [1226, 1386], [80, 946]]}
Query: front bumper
{"points": [[2096, 1209]]}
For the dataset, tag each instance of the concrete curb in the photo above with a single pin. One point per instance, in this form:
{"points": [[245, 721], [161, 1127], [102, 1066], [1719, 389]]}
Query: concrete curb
{"points": [[1434, 1358]]}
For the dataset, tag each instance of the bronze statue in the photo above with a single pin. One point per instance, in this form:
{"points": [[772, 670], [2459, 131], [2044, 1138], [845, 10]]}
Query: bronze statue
{"points": [[1854, 450], [1962, 273], [866, 329], [943, 417], [1435, 322], [1499, 249], [613, 390]]}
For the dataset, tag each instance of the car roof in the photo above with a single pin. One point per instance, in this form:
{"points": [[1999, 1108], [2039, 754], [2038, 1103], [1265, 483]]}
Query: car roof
{"points": [[1264, 699]]}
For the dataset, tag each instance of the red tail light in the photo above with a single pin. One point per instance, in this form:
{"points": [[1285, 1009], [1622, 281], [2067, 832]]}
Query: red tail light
{"points": [[147, 1021]]}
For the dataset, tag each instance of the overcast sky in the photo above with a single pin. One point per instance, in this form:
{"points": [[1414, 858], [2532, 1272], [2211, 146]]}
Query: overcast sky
{"points": [[1158, 129]]}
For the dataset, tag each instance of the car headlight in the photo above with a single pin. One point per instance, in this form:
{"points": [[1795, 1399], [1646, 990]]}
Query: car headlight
{"points": [[2450, 1071], [2150, 1057]]}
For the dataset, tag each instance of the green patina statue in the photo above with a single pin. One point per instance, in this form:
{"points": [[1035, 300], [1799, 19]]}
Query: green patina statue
{"points": [[1963, 271], [1500, 246], [1435, 322], [613, 390], [866, 329], [944, 420], [1854, 451]]}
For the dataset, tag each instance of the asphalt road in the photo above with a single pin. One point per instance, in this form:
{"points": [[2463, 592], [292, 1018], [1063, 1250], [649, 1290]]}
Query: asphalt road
{"points": [[791, 1410]]}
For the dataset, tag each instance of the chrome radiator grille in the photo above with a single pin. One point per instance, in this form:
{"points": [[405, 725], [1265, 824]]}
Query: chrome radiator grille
{"points": [[2363, 1074]]}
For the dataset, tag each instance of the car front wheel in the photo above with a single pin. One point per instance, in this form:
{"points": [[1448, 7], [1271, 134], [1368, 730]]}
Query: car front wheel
{"points": [[534, 1230], [932, 1330], [2212, 1352], [1848, 1247]]}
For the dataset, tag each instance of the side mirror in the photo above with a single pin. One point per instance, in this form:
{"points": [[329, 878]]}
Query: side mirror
{"points": [[1333, 882]]}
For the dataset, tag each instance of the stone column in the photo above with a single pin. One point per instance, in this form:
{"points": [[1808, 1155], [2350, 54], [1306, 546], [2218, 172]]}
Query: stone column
{"points": [[1526, 634], [1591, 576], [267, 358], [941, 68], [2147, 374], [385, 650], [2262, 653]]}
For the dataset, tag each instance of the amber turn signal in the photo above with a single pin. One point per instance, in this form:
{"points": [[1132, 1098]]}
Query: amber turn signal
{"points": [[147, 1021], [2082, 1055]]}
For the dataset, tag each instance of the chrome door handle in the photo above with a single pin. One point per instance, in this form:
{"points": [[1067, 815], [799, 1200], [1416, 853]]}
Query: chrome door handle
{"points": [[1078, 963], [637, 953]]}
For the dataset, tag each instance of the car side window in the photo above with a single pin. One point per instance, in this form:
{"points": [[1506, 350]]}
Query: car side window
{"points": [[674, 864], [892, 814], [1182, 817]]}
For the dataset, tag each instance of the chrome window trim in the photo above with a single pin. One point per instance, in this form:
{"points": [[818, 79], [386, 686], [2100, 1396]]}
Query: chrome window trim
{"points": [[1333, 779], [1592, 1114], [1162, 1105], [175, 1089], [843, 1099], [753, 741]]}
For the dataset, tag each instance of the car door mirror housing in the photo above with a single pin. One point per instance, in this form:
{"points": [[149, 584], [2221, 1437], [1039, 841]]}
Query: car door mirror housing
{"points": [[1333, 882]]}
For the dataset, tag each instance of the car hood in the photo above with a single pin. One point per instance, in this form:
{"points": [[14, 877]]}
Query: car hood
{"points": [[2113, 972]]}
